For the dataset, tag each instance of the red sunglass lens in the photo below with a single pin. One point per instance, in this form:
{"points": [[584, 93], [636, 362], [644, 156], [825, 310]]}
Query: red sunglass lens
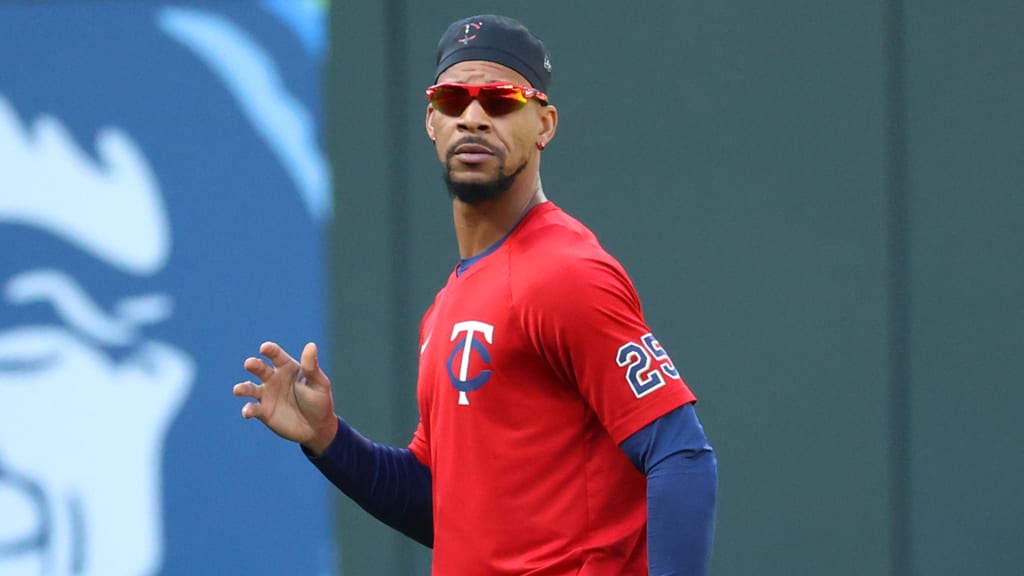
{"points": [[453, 100], [450, 100], [500, 101]]}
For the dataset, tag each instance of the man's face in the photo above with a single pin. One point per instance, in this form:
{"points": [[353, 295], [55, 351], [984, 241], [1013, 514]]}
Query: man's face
{"points": [[479, 150]]}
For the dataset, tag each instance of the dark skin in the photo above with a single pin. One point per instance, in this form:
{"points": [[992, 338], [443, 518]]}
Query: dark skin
{"points": [[293, 397], [515, 135]]}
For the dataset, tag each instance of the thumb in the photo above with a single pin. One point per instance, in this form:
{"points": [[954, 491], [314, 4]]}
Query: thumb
{"points": [[311, 365]]}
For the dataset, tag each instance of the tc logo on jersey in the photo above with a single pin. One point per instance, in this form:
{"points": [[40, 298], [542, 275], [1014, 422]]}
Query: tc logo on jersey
{"points": [[647, 365], [469, 356]]}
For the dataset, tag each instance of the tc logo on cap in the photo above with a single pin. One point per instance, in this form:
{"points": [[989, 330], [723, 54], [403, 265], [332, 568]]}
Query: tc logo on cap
{"points": [[471, 27]]}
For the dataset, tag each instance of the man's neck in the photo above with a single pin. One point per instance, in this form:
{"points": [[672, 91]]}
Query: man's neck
{"points": [[479, 226]]}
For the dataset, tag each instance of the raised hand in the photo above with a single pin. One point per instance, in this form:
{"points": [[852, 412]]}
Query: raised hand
{"points": [[294, 400]]}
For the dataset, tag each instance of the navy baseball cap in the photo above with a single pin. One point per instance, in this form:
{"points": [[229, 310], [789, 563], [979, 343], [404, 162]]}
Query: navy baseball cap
{"points": [[495, 39]]}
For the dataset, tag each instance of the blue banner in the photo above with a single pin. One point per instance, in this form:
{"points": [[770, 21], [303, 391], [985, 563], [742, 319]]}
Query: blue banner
{"points": [[164, 196]]}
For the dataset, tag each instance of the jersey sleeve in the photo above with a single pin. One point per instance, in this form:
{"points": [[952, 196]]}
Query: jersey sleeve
{"points": [[583, 315]]}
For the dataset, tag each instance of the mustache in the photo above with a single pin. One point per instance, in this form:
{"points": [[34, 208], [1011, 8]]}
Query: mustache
{"points": [[470, 140]]}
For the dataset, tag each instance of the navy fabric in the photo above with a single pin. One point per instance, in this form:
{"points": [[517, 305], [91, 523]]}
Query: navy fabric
{"points": [[673, 452], [682, 488], [495, 39], [465, 263], [388, 482]]}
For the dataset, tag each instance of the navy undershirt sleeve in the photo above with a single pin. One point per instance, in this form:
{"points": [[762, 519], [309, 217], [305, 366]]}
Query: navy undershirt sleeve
{"points": [[388, 482], [682, 488]]}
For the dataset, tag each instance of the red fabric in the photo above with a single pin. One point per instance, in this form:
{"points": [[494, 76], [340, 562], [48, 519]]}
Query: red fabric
{"points": [[528, 477]]}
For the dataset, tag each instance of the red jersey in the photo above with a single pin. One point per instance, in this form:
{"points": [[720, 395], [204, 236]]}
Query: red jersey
{"points": [[535, 363]]}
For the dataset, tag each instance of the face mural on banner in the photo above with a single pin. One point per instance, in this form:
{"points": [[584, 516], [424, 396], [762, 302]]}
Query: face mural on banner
{"points": [[163, 202], [82, 433]]}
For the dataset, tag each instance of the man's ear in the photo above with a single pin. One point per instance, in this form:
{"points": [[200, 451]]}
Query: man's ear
{"points": [[548, 124], [429, 126]]}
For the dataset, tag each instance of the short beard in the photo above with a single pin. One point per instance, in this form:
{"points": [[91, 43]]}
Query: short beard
{"points": [[477, 192]]}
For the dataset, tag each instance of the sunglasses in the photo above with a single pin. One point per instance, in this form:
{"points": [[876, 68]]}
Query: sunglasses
{"points": [[496, 98]]}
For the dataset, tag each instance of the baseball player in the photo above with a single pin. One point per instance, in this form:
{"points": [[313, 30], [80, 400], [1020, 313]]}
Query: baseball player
{"points": [[556, 436]]}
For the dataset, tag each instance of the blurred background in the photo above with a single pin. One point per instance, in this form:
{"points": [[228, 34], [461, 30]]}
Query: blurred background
{"points": [[819, 203]]}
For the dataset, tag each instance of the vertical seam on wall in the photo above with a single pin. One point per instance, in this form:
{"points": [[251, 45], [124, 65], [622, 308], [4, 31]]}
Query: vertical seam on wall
{"points": [[396, 122], [896, 190]]}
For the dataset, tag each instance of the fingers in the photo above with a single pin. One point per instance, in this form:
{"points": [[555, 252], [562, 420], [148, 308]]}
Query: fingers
{"points": [[258, 368], [252, 410], [248, 390], [269, 375], [278, 357]]}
